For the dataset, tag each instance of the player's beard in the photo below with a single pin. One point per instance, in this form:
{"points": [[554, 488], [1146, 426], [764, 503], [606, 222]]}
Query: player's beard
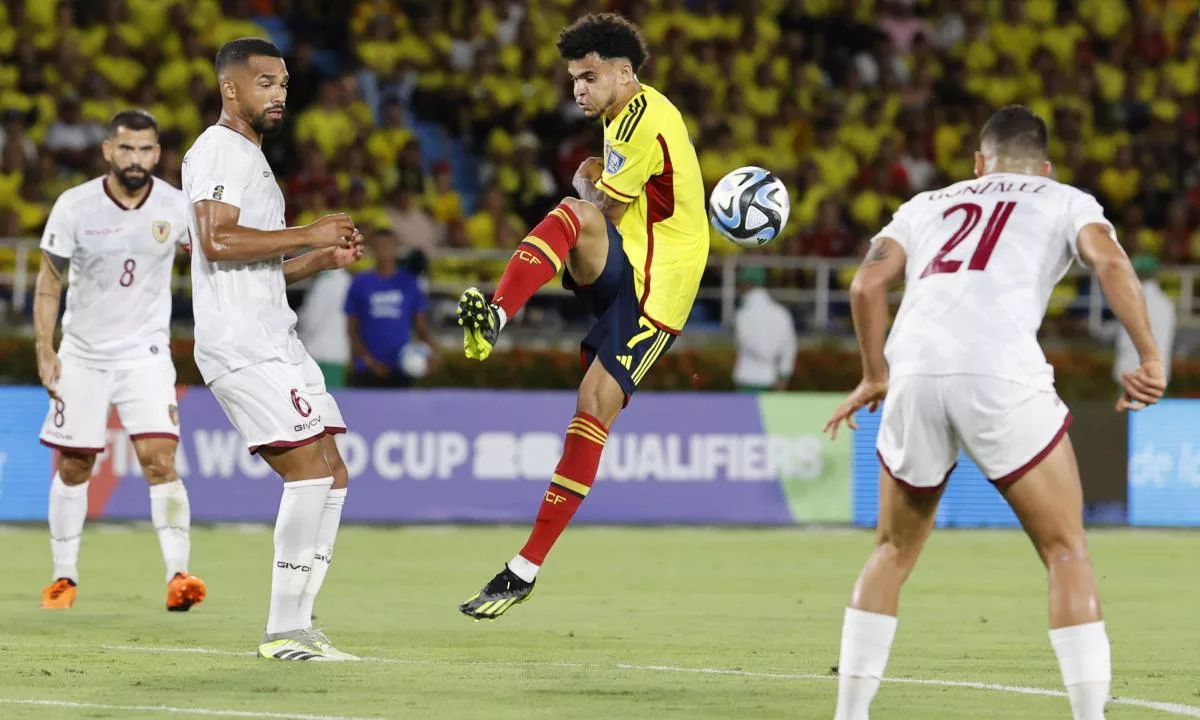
{"points": [[132, 181], [264, 125]]}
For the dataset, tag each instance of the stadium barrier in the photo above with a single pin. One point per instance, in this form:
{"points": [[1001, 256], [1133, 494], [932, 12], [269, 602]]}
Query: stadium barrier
{"points": [[1164, 465], [1098, 434], [483, 457], [828, 294]]}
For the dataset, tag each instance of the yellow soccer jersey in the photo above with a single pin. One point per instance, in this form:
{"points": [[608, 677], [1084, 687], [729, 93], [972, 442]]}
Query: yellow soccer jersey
{"points": [[649, 163]]}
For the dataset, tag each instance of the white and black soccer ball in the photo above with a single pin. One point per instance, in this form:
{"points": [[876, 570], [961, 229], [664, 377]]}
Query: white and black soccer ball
{"points": [[749, 206], [414, 359]]}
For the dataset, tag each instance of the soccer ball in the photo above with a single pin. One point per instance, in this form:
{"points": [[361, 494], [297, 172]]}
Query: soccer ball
{"points": [[749, 206], [414, 359]]}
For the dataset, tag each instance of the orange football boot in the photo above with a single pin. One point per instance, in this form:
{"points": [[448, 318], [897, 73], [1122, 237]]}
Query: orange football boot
{"points": [[60, 595], [184, 591]]}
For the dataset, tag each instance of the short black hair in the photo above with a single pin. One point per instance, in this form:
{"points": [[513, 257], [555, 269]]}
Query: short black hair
{"points": [[609, 35], [237, 52], [1016, 130], [132, 120]]}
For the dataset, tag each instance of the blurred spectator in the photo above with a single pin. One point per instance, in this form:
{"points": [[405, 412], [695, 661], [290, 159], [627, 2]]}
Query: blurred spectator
{"points": [[385, 308], [327, 124], [313, 175], [412, 225], [322, 325], [1162, 321], [828, 236], [765, 334], [868, 102], [1181, 238], [1120, 182], [494, 225], [389, 139], [410, 175], [920, 171], [445, 204], [13, 125], [306, 79], [530, 185], [72, 138]]}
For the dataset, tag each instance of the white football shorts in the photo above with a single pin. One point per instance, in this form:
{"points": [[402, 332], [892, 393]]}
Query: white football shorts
{"points": [[143, 394], [1004, 426], [278, 404]]}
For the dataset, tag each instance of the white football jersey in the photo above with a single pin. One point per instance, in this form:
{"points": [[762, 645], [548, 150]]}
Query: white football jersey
{"points": [[241, 308], [983, 257], [119, 283]]}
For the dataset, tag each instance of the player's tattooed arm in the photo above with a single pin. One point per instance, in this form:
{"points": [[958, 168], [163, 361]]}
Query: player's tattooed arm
{"points": [[880, 269], [46, 300]]}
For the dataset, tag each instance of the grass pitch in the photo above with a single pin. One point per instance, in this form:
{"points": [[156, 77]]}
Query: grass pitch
{"points": [[626, 623]]}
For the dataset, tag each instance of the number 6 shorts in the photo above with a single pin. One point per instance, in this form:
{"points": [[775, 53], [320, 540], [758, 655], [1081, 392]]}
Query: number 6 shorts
{"points": [[278, 404]]}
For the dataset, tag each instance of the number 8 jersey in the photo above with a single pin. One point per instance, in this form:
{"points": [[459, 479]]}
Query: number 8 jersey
{"points": [[983, 257], [118, 309]]}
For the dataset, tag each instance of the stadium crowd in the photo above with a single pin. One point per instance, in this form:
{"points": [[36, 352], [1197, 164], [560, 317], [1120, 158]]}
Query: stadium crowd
{"points": [[452, 122]]}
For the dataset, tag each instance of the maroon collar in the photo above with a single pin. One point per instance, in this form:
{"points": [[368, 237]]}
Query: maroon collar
{"points": [[149, 189]]}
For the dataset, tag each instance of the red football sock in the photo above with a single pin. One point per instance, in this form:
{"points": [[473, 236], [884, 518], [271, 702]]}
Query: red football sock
{"points": [[572, 480], [537, 259]]}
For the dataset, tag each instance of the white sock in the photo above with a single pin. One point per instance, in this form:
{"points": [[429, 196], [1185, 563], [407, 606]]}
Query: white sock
{"points": [[68, 510], [1085, 658], [866, 643], [171, 514], [296, 527], [523, 568], [502, 315], [331, 518]]}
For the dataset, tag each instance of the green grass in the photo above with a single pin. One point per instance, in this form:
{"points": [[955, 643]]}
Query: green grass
{"points": [[611, 603]]}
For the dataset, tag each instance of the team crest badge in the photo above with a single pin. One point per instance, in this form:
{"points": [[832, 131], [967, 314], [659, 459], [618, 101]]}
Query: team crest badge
{"points": [[162, 230], [614, 162], [173, 412]]}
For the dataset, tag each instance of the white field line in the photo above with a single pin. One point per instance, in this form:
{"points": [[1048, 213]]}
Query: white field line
{"points": [[1169, 708], [208, 712]]}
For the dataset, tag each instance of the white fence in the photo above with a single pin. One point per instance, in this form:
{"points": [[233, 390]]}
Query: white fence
{"points": [[815, 301]]}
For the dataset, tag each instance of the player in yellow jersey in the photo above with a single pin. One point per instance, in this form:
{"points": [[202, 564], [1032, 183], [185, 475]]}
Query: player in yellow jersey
{"points": [[634, 248]]}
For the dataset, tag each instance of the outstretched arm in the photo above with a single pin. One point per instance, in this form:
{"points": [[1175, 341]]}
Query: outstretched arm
{"points": [[330, 258], [1099, 250], [223, 239], [882, 267]]}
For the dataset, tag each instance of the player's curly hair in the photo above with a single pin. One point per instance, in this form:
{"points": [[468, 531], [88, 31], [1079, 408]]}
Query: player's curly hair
{"points": [[609, 35]]}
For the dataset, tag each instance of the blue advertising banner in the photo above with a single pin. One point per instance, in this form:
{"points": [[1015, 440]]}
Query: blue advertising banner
{"points": [[483, 456], [969, 501], [1164, 464], [24, 464]]}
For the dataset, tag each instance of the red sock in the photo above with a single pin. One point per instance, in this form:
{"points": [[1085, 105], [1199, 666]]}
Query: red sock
{"points": [[572, 480], [537, 259]]}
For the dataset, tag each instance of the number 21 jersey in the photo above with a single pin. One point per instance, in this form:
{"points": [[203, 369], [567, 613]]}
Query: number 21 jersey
{"points": [[983, 257]]}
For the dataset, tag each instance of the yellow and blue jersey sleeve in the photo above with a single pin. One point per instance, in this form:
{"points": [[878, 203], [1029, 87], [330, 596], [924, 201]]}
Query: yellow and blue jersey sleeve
{"points": [[630, 157]]}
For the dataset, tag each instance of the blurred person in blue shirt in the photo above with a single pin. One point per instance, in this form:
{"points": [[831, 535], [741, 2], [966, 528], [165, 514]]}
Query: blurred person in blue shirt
{"points": [[385, 309]]}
